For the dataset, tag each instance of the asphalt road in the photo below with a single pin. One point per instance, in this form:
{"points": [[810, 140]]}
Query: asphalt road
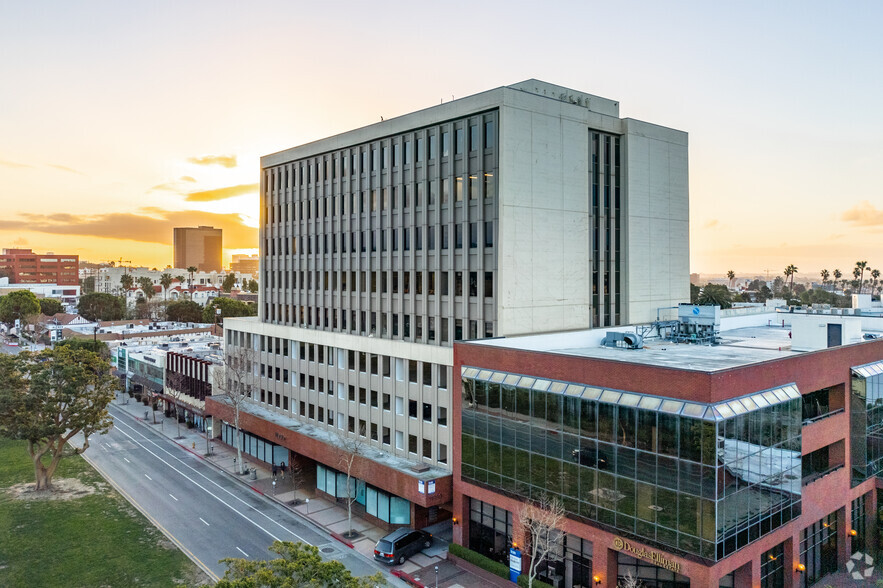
{"points": [[202, 510]]}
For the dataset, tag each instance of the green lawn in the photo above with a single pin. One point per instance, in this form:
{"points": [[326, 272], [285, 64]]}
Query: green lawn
{"points": [[93, 540]]}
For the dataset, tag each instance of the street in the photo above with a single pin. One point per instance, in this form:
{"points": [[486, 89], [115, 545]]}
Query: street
{"points": [[203, 510]]}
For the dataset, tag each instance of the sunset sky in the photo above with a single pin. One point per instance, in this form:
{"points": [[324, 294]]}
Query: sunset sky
{"points": [[121, 120]]}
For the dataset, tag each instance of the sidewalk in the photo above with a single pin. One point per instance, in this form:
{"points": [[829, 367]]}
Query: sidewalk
{"points": [[321, 512]]}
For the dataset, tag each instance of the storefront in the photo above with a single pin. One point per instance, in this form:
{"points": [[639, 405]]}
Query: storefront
{"points": [[254, 446], [377, 503]]}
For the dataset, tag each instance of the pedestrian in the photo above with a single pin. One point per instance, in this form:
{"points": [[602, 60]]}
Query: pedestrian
{"points": [[282, 469], [274, 471]]}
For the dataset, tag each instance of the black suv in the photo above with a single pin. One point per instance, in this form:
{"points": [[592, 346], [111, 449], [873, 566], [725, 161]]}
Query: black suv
{"points": [[400, 545]]}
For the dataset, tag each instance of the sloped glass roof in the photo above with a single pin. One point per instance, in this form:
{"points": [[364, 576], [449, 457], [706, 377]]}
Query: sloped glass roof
{"points": [[869, 369], [713, 412]]}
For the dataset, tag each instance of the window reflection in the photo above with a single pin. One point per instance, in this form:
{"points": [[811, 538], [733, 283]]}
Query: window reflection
{"points": [[705, 486]]}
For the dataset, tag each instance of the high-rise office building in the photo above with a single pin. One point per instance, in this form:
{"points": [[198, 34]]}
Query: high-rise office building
{"points": [[522, 209], [200, 247]]}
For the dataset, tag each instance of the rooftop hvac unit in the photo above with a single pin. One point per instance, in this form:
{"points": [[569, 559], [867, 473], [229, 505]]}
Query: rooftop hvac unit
{"points": [[623, 340]]}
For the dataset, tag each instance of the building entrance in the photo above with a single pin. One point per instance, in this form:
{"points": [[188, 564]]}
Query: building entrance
{"points": [[648, 575]]}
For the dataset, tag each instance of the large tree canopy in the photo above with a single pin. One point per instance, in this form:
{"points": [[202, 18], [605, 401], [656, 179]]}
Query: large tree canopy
{"points": [[299, 566], [50, 306], [19, 305], [229, 307], [184, 311], [716, 295], [48, 398], [99, 306]]}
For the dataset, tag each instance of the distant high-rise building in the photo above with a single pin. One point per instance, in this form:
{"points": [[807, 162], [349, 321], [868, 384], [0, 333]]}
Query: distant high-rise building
{"points": [[200, 247], [246, 264]]}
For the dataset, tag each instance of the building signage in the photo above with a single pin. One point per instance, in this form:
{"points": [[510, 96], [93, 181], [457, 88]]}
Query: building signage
{"points": [[430, 487], [426, 487], [654, 557], [279, 436], [514, 564], [421, 486]]}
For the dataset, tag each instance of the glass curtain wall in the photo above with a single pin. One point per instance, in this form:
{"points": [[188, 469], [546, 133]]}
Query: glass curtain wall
{"points": [[698, 478], [818, 550], [866, 422]]}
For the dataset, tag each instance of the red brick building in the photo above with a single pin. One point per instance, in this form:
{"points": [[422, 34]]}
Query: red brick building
{"points": [[23, 266], [749, 461]]}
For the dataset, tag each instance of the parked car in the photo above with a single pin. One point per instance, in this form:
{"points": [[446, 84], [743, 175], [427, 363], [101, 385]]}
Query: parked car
{"points": [[400, 545], [587, 457]]}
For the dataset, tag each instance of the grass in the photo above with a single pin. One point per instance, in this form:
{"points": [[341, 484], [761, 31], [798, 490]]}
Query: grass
{"points": [[94, 540]]}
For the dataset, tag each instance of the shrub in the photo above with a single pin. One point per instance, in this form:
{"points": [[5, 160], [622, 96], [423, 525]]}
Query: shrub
{"points": [[494, 567]]}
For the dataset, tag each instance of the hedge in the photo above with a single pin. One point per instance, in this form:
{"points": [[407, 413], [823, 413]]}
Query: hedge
{"points": [[494, 567]]}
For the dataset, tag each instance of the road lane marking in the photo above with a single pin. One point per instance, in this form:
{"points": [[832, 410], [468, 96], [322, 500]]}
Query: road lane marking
{"points": [[119, 428], [155, 522], [173, 497], [242, 552], [203, 520], [126, 460], [148, 477]]}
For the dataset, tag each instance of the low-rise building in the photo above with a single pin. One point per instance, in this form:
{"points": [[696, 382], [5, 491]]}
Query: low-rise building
{"points": [[750, 460]]}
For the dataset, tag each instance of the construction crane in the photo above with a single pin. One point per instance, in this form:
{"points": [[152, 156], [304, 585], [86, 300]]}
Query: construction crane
{"points": [[119, 262]]}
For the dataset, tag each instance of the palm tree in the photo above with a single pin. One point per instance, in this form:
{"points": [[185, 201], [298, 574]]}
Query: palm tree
{"points": [[875, 274], [126, 281], [825, 275], [192, 269], [790, 271], [732, 276], [860, 267], [165, 281], [837, 275]]}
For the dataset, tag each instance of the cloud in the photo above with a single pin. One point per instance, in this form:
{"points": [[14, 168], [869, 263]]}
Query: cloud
{"points": [[149, 225], [20, 242], [67, 169], [710, 224], [863, 214], [187, 179], [222, 193], [223, 160], [13, 164]]}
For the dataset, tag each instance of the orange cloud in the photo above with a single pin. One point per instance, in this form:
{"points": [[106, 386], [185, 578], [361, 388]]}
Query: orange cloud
{"points": [[65, 168], [156, 228], [187, 179], [710, 224], [13, 164], [863, 214], [222, 160], [222, 193]]}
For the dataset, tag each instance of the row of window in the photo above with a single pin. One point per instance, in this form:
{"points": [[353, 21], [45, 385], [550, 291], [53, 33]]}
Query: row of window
{"points": [[429, 193], [363, 241], [383, 324], [430, 283], [480, 131]]}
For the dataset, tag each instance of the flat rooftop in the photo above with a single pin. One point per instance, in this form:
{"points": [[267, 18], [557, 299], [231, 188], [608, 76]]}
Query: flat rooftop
{"points": [[765, 340]]}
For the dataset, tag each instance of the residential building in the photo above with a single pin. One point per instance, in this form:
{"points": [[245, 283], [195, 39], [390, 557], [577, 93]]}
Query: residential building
{"points": [[200, 247], [525, 208], [750, 460]]}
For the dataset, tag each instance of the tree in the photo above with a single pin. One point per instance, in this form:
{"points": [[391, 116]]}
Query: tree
{"points": [[232, 385], [165, 281], [191, 270], [790, 271], [731, 275], [230, 307], [180, 278], [229, 282], [716, 295], [778, 285], [861, 266], [825, 277], [540, 522], [184, 311], [629, 581], [174, 387], [50, 306], [299, 565], [88, 284], [48, 398], [99, 306], [875, 274], [349, 449], [146, 285], [837, 275], [126, 281], [694, 293], [21, 306], [253, 286], [93, 345]]}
